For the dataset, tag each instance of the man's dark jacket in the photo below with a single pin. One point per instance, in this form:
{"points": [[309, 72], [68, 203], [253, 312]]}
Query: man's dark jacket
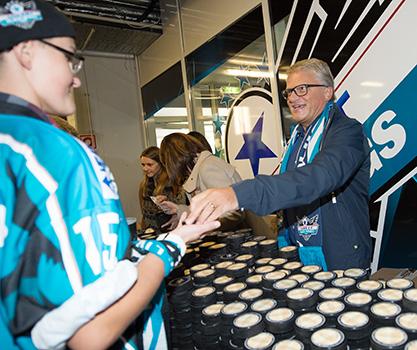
{"points": [[340, 168]]}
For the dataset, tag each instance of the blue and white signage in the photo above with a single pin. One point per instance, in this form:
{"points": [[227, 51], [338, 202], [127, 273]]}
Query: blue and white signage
{"points": [[253, 134]]}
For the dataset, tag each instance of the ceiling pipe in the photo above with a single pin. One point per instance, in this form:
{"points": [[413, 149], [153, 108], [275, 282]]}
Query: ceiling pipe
{"points": [[87, 40], [132, 3], [101, 9], [103, 20]]}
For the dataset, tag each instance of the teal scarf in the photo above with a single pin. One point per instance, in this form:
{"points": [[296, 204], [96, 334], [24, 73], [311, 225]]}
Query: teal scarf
{"points": [[309, 255], [315, 137]]}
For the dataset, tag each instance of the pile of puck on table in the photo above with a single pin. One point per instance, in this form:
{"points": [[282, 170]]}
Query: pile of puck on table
{"points": [[234, 290]]}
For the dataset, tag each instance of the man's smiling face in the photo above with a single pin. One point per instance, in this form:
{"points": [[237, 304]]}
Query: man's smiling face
{"points": [[306, 108]]}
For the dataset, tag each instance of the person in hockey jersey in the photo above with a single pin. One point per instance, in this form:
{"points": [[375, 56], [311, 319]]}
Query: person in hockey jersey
{"points": [[63, 234]]}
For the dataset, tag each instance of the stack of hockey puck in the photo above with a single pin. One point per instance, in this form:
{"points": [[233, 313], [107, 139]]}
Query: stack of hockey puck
{"points": [[238, 270], [180, 290], [207, 330], [250, 247], [235, 240], [245, 326], [268, 248], [290, 253], [204, 249], [254, 296], [200, 299], [210, 279], [230, 312], [231, 292], [356, 326], [216, 251], [280, 322]]}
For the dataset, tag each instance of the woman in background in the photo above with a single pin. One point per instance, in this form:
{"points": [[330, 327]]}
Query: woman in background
{"points": [[190, 165], [200, 137], [155, 188]]}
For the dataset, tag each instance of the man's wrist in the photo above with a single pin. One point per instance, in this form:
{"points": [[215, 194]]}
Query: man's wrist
{"points": [[236, 193]]}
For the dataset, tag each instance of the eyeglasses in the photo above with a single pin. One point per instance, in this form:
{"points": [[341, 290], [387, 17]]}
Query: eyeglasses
{"points": [[300, 90], [75, 60]]}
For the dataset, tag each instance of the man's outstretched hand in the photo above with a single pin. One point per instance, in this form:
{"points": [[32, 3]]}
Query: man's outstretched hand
{"points": [[211, 204]]}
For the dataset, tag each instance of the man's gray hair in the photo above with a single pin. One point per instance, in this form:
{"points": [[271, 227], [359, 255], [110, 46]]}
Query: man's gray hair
{"points": [[318, 67]]}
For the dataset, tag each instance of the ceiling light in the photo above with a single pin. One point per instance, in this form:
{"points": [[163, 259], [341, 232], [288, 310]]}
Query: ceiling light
{"points": [[247, 73]]}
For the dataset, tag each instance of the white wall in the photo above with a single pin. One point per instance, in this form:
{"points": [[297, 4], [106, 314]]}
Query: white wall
{"points": [[201, 20], [110, 95]]}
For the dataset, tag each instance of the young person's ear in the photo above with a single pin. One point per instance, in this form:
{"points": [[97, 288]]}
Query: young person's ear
{"points": [[24, 52]]}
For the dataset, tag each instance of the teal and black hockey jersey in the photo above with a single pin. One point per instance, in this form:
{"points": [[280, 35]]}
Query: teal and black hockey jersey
{"points": [[61, 221]]}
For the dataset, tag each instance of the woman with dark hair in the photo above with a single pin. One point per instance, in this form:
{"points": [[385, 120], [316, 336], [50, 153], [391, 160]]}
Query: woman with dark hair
{"points": [[155, 188], [190, 165], [200, 137]]}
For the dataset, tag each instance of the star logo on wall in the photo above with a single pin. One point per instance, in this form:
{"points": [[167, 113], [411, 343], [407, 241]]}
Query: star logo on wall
{"points": [[226, 100], [243, 79], [253, 147], [217, 124]]}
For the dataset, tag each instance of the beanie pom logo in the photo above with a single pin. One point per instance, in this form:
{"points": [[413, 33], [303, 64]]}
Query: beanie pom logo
{"points": [[19, 14]]}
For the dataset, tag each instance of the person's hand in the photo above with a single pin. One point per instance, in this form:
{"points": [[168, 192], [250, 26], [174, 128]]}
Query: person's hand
{"points": [[168, 207], [191, 232], [210, 204], [171, 223]]}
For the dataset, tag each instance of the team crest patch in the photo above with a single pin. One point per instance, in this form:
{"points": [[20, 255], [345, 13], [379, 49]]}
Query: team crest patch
{"points": [[20, 14], [308, 227]]}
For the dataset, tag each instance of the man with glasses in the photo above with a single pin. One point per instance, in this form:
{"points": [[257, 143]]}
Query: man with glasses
{"points": [[323, 181], [62, 227]]}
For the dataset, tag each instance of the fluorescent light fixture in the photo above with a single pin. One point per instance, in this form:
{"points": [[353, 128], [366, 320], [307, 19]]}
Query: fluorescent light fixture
{"points": [[243, 62], [247, 73], [182, 112]]}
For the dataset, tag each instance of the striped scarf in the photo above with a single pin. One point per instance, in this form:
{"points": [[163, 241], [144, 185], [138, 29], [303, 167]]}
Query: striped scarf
{"points": [[312, 142]]}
